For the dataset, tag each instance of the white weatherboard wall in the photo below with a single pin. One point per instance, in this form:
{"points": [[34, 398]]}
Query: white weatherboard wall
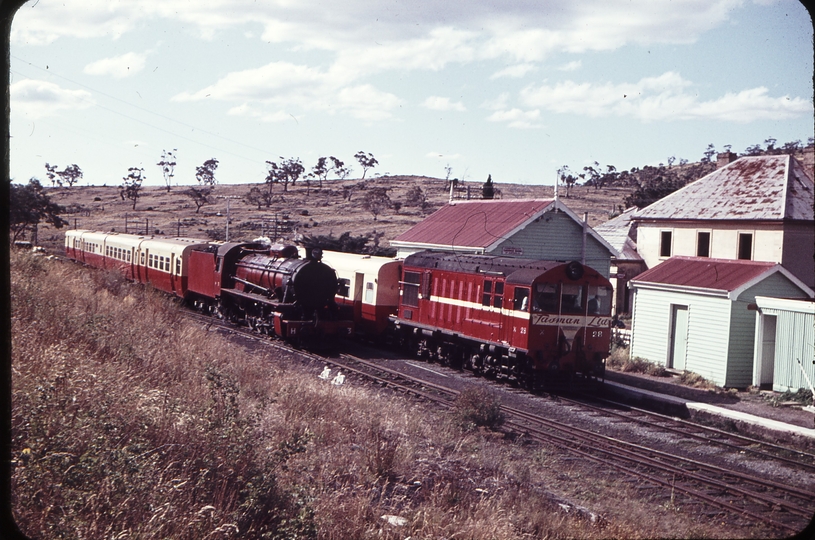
{"points": [[708, 330], [794, 340]]}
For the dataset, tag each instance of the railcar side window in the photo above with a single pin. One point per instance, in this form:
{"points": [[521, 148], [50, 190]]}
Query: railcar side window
{"points": [[369, 292], [178, 267], [498, 300], [571, 299], [599, 300], [545, 299], [343, 287], [521, 301], [410, 289], [485, 298]]}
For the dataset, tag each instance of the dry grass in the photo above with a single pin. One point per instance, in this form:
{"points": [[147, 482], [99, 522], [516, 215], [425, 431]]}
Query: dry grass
{"points": [[131, 422], [620, 360]]}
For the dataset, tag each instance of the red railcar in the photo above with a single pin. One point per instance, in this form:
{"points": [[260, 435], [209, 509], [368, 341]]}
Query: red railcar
{"points": [[517, 318]]}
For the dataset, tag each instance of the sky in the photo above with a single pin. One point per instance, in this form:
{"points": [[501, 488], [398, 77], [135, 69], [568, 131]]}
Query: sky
{"points": [[514, 89]]}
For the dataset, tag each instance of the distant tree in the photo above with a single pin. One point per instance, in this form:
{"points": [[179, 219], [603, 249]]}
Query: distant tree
{"points": [[320, 170], [671, 160], [131, 185], [770, 142], [348, 244], [754, 150], [28, 206], [416, 196], [709, 153], [200, 196], [205, 174], [339, 168], [488, 189], [51, 173], [257, 196], [791, 147], [167, 165], [376, 201], [566, 178], [367, 161], [289, 170], [68, 176]]}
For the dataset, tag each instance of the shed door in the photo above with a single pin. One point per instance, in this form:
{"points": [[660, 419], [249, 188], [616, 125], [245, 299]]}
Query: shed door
{"points": [[679, 337], [767, 351]]}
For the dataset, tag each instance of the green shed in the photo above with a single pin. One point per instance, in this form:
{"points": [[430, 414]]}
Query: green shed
{"points": [[693, 314]]}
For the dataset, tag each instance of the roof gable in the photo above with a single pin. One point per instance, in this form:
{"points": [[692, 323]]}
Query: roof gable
{"points": [[482, 224], [724, 276], [750, 188], [476, 224]]}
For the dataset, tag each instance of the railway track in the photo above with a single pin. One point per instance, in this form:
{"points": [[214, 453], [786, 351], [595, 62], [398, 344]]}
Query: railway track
{"points": [[682, 480]]}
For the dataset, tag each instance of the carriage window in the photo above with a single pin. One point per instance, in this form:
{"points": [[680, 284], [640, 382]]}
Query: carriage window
{"points": [[521, 301], [498, 300], [142, 258], [545, 299], [369, 292], [599, 300], [178, 267], [343, 287], [485, 299], [410, 289], [128, 256], [571, 299]]}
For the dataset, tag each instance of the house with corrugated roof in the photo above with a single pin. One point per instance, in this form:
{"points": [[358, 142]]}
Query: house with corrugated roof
{"points": [[757, 208], [621, 232], [542, 229], [696, 314]]}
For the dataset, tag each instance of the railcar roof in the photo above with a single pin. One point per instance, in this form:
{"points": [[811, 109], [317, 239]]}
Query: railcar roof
{"points": [[484, 264]]}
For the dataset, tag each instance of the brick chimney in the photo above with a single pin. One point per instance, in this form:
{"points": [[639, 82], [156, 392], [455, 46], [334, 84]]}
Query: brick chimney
{"points": [[724, 158]]}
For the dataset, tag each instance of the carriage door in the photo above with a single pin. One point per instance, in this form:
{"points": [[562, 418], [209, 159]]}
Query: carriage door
{"points": [[679, 337], [359, 282]]}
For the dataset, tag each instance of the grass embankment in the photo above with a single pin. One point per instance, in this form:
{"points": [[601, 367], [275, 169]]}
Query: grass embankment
{"points": [[131, 422]]}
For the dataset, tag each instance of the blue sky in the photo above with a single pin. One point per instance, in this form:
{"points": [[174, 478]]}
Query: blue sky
{"points": [[514, 89]]}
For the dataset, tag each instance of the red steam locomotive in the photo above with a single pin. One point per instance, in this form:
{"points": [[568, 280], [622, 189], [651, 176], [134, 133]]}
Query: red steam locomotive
{"points": [[269, 288]]}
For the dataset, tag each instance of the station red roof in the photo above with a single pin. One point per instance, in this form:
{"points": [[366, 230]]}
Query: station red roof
{"points": [[704, 273], [477, 224]]}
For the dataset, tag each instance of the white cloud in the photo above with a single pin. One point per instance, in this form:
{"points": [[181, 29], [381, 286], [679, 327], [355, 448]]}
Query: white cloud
{"points": [[666, 97], [118, 67], [438, 103], [571, 66], [36, 99], [516, 118], [516, 72]]}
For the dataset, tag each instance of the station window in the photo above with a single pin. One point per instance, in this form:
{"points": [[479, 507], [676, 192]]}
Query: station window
{"points": [[665, 238], [746, 246], [703, 244]]}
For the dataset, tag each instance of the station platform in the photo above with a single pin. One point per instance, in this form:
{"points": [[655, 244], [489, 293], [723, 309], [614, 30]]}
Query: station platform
{"points": [[752, 413]]}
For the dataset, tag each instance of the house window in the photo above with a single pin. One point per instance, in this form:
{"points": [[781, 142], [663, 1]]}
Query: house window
{"points": [[745, 246], [665, 243], [703, 244]]}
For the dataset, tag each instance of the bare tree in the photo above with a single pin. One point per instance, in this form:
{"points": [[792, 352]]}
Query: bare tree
{"points": [[131, 185], [167, 165], [257, 196], [200, 196]]}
